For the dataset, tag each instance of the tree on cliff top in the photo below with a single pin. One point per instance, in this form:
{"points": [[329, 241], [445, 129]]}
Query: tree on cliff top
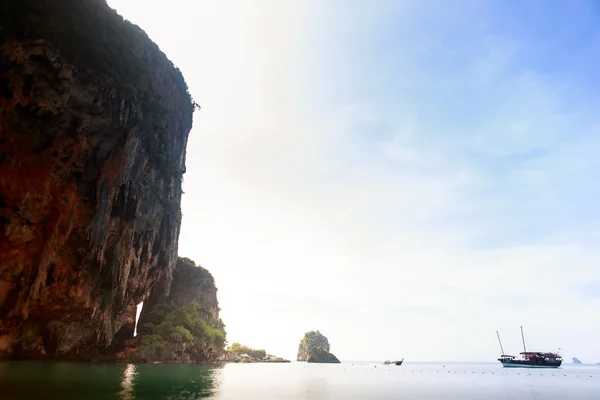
{"points": [[193, 272]]}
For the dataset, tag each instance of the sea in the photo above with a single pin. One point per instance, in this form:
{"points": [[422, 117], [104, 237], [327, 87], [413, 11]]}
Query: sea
{"points": [[296, 380]]}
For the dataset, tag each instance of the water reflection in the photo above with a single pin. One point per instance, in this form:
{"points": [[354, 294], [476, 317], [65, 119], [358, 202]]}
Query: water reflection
{"points": [[292, 381], [33, 380], [182, 381], [316, 388], [127, 382]]}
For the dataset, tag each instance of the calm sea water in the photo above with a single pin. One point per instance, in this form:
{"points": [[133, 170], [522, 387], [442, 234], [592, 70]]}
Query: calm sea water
{"points": [[358, 380]]}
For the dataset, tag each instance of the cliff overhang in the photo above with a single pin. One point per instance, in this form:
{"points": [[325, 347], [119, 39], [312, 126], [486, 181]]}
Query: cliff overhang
{"points": [[94, 121]]}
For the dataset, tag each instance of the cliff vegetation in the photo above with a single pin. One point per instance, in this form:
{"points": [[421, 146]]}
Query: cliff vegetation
{"points": [[181, 324], [181, 328], [238, 353], [241, 349]]}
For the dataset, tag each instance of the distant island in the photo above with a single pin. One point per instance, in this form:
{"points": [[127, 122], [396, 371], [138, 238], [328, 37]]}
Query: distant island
{"points": [[314, 348], [239, 353], [576, 361]]}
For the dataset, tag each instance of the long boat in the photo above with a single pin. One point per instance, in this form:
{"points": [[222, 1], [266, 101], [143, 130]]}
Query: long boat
{"points": [[529, 359], [394, 362]]}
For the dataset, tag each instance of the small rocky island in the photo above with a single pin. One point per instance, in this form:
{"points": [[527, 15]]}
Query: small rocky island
{"points": [[237, 353], [314, 348]]}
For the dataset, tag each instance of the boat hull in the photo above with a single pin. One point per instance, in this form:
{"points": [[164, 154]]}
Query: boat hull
{"points": [[525, 365], [394, 362]]}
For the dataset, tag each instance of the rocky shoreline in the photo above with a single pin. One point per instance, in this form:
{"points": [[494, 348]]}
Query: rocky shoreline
{"points": [[224, 358], [246, 359]]}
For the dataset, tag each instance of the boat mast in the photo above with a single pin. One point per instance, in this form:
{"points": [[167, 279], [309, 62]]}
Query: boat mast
{"points": [[499, 341], [523, 337]]}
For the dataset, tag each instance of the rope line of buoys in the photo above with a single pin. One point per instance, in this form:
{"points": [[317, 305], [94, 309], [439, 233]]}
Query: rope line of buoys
{"points": [[514, 373]]}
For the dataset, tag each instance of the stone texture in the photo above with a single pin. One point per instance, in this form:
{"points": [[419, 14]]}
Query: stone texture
{"points": [[188, 283], [90, 177], [319, 355], [269, 358]]}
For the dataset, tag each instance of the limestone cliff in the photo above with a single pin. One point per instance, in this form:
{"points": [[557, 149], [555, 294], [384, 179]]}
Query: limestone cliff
{"points": [[94, 121], [189, 283], [314, 347], [181, 325]]}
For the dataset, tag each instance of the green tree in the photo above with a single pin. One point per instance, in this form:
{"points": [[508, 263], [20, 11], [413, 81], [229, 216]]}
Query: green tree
{"points": [[241, 349], [182, 326]]}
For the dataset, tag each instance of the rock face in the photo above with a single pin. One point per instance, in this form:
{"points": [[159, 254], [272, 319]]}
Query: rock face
{"points": [[319, 355], [269, 358], [190, 284], [94, 121], [310, 341], [314, 347]]}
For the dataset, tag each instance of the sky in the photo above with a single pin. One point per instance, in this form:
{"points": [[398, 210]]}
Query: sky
{"points": [[405, 176]]}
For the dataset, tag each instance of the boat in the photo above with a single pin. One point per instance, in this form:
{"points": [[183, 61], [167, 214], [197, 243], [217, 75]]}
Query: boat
{"points": [[532, 360], [388, 362], [529, 359]]}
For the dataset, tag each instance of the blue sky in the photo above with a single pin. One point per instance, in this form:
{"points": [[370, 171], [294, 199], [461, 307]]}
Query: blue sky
{"points": [[419, 171], [505, 90]]}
